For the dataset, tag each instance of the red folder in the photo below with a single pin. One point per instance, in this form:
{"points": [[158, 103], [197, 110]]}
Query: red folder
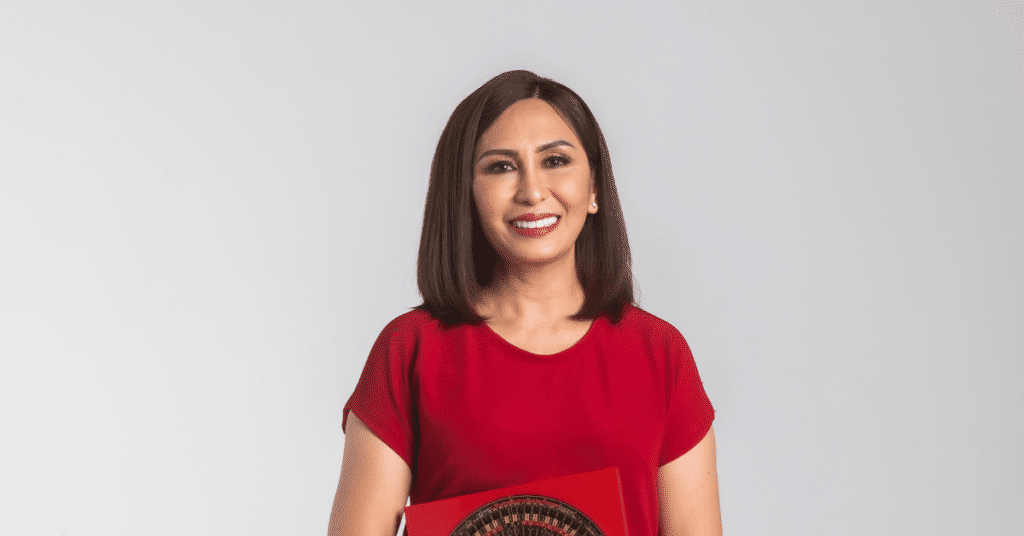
{"points": [[586, 504]]}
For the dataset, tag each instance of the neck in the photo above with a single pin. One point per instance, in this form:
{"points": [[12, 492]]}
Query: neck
{"points": [[533, 293]]}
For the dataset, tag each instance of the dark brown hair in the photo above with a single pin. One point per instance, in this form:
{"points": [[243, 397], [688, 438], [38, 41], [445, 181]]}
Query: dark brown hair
{"points": [[455, 258]]}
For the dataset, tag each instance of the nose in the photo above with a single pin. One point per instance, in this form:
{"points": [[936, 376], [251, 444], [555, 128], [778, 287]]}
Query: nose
{"points": [[531, 186]]}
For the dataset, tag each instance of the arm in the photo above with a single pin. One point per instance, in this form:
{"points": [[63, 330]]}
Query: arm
{"points": [[688, 492], [373, 488]]}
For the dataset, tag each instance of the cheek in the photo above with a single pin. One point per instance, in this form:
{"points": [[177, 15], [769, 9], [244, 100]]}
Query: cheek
{"points": [[575, 190], [484, 199]]}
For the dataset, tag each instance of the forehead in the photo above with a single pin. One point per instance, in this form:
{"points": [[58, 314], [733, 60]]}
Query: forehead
{"points": [[529, 122]]}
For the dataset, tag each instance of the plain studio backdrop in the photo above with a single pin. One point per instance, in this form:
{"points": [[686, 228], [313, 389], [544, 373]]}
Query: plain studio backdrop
{"points": [[209, 210]]}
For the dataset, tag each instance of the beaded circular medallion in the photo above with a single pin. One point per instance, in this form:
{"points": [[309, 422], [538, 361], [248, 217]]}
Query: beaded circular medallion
{"points": [[527, 515]]}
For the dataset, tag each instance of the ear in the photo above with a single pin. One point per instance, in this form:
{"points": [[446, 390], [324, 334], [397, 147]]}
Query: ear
{"points": [[592, 203]]}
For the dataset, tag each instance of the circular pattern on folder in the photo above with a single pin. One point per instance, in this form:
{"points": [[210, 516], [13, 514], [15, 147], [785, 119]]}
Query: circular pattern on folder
{"points": [[527, 515]]}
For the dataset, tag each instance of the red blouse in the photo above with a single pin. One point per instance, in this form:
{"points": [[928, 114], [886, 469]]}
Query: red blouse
{"points": [[469, 412]]}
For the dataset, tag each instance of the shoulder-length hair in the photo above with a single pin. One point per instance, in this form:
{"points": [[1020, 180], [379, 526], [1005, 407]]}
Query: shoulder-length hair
{"points": [[455, 258]]}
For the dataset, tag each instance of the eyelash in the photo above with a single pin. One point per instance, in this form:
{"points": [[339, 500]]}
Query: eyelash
{"points": [[499, 166]]}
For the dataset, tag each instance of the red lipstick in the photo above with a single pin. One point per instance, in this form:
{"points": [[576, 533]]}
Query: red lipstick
{"points": [[534, 231]]}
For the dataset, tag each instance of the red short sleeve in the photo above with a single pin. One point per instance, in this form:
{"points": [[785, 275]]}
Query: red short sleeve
{"points": [[383, 397], [690, 412]]}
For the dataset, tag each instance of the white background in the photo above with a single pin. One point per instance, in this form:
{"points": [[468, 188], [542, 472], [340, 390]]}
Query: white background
{"points": [[208, 211]]}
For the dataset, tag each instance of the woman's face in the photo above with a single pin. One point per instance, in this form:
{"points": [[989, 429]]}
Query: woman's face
{"points": [[532, 184]]}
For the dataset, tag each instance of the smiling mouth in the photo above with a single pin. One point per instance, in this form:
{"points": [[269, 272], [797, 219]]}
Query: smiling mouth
{"points": [[546, 222], [534, 228]]}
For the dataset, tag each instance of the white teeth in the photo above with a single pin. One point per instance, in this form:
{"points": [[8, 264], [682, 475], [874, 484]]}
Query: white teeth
{"points": [[546, 222]]}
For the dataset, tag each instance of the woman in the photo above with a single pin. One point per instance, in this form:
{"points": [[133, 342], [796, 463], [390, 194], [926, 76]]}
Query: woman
{"points": [[527, 359]]}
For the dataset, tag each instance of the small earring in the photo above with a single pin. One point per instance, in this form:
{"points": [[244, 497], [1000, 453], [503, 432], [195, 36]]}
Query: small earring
{"points": [[594, 203]]}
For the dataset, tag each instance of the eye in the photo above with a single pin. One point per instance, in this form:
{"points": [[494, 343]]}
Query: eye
{"points": [[556, 161], [499, 167]]}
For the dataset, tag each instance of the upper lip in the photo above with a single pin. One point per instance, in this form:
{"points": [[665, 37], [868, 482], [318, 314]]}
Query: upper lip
{"points": [[533, 217]]}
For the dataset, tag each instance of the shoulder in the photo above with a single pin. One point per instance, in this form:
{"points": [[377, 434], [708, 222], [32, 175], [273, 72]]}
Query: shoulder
{"points": [[413, 321], [406, 332], [634, 319], [651, 335], [663, 345]]}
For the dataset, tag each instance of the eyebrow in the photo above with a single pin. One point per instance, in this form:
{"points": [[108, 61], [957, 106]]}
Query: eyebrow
{"points": [[511, 153]]}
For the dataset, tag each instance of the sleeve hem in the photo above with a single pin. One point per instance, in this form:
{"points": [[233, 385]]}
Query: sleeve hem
{"points": [[379, 431], [683, 448]]}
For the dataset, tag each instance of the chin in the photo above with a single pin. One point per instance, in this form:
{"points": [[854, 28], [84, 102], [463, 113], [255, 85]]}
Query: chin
{"points": [[537, 257]]}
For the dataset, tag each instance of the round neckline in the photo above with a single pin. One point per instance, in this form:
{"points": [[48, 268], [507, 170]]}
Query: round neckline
{"points": [[574, 346]]}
